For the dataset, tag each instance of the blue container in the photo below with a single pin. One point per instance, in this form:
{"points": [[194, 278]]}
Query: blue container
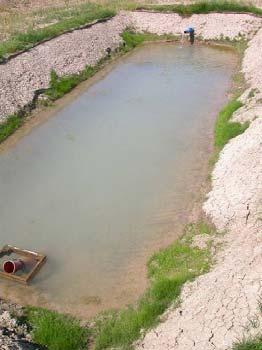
{"points": [[189, 30]]}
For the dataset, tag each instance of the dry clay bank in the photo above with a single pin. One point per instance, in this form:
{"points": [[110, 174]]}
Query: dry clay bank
{"points": [[220, 307]]}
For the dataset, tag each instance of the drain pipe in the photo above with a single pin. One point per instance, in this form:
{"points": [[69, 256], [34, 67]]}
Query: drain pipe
{"points": [[12, 266]]}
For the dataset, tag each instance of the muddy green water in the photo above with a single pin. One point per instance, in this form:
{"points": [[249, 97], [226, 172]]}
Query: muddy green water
{"points": [[112, 175]]}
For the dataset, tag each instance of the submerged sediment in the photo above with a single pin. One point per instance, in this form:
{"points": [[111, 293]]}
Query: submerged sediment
{"points": [[216, 308]]}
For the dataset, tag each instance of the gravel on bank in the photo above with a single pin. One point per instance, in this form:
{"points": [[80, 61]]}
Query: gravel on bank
{"points": [[213, 26], [14, 335]]}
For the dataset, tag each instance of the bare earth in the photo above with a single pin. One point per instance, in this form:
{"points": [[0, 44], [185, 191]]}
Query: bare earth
{"points": [[220, 307]]}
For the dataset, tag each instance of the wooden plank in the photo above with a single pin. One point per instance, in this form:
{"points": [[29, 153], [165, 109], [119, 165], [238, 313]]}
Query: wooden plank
{"points": [[36, 269], [13, 277], [39, 258]]}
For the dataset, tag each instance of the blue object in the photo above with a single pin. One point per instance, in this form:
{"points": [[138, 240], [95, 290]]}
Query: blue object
{"points": [[189, 30]]}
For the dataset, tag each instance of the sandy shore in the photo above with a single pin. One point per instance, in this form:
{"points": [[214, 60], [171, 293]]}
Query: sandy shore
{"points": [[215, 309]]}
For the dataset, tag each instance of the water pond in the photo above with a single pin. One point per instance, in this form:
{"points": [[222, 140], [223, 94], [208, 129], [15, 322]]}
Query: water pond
{"points": [[112, 176]]}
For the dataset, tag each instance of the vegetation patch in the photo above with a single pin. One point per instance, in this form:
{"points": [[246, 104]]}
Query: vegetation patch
{"points": [[56, 331], [249, 344], [168, 270], [10, 126], [133, 39], [59, 86], [203, 7], [23, 41], [252, 342], [226, 129]]}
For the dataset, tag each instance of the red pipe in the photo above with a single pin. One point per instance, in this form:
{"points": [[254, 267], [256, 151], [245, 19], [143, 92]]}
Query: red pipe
{"points": [[12, 266]]}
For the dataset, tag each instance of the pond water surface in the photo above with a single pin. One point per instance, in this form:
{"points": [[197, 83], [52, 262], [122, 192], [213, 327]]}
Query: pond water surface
{"points": [[111, 176]]}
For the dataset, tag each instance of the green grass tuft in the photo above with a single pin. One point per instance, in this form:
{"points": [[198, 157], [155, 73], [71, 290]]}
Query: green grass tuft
{"points": [[59, 86], [249, 344], [56, 331], [226, 129], [204, 7], [123, 328], [132, 39], [9, 126], [178, 260], [168, 270]]}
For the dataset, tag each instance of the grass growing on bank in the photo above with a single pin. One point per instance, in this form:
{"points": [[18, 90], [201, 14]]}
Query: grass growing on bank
{"points": [[59, 86], [31, 37], [132, 39], [204, 7], [249, 344], [252, 342], [225, 129], [9, 126], [56, 331], [168, 270]]}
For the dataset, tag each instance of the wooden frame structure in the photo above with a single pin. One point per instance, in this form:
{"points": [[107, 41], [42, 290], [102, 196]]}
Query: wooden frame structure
{"points": [[38, 258]]}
